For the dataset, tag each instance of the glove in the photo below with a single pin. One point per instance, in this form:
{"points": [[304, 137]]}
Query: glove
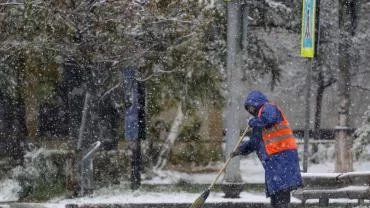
{"points": [[252, 122], [235, 153]]}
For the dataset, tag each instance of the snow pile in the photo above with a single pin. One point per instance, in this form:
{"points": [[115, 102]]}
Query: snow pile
{"points": [[274, 4], [9, 190], [38, 168]]}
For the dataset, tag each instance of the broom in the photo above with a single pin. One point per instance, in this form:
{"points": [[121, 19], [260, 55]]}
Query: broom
{"points": [[199, 202]]}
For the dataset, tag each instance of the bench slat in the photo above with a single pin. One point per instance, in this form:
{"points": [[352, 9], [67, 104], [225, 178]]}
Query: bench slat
{"points": [[350, 192], [325, 186]]}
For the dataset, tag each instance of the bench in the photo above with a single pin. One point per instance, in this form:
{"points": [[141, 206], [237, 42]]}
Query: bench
{"points": [[325, 186]]}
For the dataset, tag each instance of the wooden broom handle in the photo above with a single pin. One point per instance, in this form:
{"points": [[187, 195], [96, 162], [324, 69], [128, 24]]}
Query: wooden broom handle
{"points": [[229, 159]]}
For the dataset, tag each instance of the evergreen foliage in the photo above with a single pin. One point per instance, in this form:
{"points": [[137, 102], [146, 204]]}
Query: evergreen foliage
{"points": [[362, 137]]}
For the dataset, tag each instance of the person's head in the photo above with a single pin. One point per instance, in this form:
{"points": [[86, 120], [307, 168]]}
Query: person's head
{"points": [[254, 101]]}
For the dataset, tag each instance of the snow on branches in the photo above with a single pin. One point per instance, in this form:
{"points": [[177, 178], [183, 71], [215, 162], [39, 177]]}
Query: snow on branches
{"points": [[362, 136]]}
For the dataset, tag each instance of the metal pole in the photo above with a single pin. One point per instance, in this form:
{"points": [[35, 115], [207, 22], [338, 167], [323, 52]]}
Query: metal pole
{"points": [[312, 67], [307, 118], [136, 149], [232, 177], [136, 164], [233, 103]]}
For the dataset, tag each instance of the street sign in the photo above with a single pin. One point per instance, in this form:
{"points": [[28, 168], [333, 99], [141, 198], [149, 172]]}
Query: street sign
{"points": [[134, 99], [308, 28]]}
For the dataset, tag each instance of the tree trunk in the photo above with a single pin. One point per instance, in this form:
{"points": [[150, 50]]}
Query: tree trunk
{"points": [[344, 141], [317, 122], [19, 130], [81, 143], [18, 115], [171, 138], [30, 82], [319, 97]]}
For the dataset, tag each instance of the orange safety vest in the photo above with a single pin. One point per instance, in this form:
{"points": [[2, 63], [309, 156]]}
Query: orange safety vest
{"points": [[278, 137]]}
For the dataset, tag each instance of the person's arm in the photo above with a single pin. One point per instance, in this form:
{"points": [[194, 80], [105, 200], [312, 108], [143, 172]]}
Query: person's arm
{"points": [[270, 115], [252, 144]]}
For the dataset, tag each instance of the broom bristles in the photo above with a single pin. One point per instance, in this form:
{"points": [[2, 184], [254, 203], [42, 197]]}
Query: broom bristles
{"points": [[199, 202]]}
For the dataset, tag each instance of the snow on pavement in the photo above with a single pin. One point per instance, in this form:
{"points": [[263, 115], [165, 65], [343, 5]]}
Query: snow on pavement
{"points": [[138, 197], [251, 171]]}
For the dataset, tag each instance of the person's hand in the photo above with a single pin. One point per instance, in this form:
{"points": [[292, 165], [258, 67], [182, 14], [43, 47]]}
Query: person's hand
{"points": [[234, 153], [252, 122]]}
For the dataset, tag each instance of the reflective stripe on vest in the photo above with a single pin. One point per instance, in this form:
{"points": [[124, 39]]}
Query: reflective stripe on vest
{"points": [[279, 137]]}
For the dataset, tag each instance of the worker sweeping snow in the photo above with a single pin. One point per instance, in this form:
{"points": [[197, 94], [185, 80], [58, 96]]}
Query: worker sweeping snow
{"points": [[275, 145]]}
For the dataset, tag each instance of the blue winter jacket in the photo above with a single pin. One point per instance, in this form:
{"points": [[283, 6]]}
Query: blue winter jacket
{"points": [[282, 170]]}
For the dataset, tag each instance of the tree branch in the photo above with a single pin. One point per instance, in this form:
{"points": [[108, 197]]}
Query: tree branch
{"points": [[361, 87], [361, 72], [11, 3], [330, 82], [162, 19], [110, 90]]}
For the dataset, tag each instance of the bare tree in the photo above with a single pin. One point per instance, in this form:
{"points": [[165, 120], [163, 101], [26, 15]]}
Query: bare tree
{"points": [[348, 18]]}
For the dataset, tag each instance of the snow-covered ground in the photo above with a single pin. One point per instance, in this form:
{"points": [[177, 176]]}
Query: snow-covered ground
{"points": [[251, 170]]}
